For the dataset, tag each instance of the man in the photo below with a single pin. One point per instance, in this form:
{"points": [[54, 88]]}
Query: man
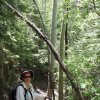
{"points": [[25, 91]]}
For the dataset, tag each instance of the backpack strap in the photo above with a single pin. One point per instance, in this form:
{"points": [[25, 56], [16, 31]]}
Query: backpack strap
{"points": [[31, 94], [26, 91]]}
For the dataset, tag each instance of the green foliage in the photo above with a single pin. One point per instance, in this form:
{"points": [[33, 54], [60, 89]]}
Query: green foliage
{"points": [[18, 42], [19, 45], [84, 51]]}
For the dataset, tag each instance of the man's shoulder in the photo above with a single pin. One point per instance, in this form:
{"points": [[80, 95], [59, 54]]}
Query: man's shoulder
{"points": [[20, 87]]}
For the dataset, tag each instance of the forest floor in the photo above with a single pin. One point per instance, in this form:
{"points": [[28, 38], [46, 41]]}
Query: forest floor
{"points": [[41, 87], [45, 93]]}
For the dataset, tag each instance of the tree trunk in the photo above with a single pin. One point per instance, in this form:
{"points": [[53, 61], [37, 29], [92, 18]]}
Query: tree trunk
{"points": [[41, 17], [53, 41], [43, 9], [62, 54], [66, 37], [97, 11], [2, 73]]}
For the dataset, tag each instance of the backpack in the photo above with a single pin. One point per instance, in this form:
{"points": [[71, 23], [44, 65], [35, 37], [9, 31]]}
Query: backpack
{"points": [[13, 92]]}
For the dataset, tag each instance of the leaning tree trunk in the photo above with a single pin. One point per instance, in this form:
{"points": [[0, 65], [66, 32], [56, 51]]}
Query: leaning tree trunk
{"points": [[49, 44]]}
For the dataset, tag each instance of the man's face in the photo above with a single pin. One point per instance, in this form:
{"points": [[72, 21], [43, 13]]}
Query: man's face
{"points": [[27, 78]]}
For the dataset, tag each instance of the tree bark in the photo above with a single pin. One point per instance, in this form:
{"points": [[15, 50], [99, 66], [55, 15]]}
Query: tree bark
{"points": [[49, 44], [62, 53], [53, 41]]}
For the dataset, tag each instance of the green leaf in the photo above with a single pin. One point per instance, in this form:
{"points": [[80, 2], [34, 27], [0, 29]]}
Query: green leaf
{"points": [[83, 85]]}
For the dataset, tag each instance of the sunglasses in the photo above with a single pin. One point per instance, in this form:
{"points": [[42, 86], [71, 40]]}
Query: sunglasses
{"points": [[27, 76]]}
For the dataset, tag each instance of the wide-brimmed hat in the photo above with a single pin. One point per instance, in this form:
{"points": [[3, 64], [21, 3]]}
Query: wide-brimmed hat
{"points": [[25, 72]]}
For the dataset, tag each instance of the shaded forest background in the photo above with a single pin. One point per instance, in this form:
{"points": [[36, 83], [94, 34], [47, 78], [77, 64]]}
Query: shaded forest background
{"points": [[21, 47]]}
